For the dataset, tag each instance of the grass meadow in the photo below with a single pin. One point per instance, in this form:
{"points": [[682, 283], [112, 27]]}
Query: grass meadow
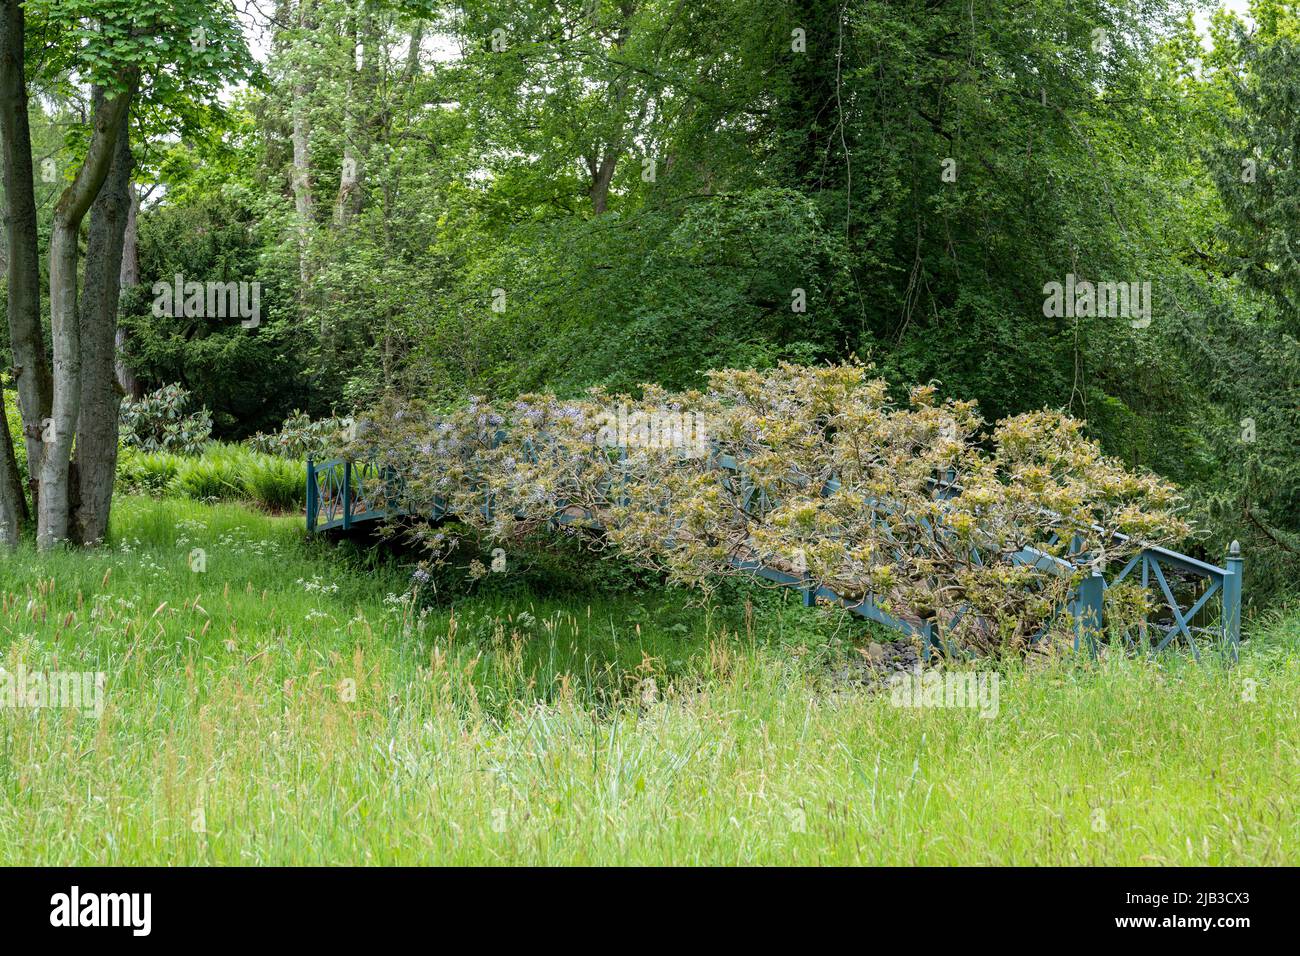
{"points": [[287, 705]]}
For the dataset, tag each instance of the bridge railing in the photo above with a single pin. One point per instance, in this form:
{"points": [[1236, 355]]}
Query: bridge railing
{"points": [[1192, 597], [341, 493]]}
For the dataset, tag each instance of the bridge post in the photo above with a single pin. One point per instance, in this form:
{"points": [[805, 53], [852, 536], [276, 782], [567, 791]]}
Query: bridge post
{"points": [[930, 641], [347, 494], [1088, 601], [1232, 597], [312, 502]]}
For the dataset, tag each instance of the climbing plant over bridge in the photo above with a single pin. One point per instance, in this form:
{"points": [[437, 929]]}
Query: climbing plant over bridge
{"points": [[976, 535]]}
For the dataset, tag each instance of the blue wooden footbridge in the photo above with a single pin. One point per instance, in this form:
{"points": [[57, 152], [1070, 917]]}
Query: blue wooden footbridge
{"points": [[1192, 599]]}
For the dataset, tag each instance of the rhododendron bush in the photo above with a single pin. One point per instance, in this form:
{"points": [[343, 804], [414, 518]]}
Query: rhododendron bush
{"points": [[936, 515]]}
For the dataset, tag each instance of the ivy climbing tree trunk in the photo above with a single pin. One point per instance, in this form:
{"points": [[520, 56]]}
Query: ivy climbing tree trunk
{"points": [[31, 369], [52, 511], [97, 420]]}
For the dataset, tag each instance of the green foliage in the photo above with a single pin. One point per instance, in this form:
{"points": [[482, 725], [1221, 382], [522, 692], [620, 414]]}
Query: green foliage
{"points": [[1253, 375], [248, 377], [180, 50], [220, 473], [15, 420], [159, 422], [146, 472], [541, 564], [1255, 165], [276, 484], [730, 280], [300, 437], [216, 478]]}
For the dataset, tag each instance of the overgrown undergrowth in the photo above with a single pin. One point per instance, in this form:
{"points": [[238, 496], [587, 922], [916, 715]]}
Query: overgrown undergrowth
{"points": [[286, 705]]}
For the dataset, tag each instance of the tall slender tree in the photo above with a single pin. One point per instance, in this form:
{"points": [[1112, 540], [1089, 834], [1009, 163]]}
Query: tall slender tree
{"points": [[96, 449], [30, 365]]}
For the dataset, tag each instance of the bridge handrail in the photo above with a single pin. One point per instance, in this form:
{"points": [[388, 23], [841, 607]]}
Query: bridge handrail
{"points": [[1086, 605]]}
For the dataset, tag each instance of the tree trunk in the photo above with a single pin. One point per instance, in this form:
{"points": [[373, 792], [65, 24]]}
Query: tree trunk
{"points": [[601, 177], [97, 420], [302, 198], [359, 112], [52, 508], [345, 205], [31, 370], [301, 168], [602, 167], [128, 278], [412, 70]]}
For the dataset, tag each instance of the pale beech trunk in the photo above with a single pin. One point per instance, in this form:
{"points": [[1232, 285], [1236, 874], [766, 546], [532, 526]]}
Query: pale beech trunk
{"points": [[31, 369], [301, 166], [97, 420], [52, 507], [345, 203], [301, 136]]}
